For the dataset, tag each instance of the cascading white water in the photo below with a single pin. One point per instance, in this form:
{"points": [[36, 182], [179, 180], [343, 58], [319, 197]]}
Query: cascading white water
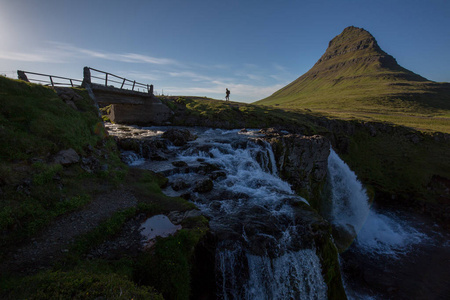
{"points": [[376, 232], [349, 199], [294, 275], [252, 175], [286, 277]]}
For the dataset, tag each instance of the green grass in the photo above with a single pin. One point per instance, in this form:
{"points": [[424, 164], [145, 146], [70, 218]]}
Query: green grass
{"points": [[34, 122], [79, 284], [198, 111], [414, 106], [395, 165], [34, 125]]}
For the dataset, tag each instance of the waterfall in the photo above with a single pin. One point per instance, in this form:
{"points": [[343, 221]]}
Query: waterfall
{"points": [[377, 232], [349, 200], [267, 263], [261, 253], [294, 275]]}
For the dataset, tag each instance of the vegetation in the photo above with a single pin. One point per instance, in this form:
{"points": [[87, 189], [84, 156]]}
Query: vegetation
{"points": [[35, 124], [195, 111]]}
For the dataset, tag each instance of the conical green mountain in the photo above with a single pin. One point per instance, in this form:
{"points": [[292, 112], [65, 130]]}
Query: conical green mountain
{"points": [[355, 76]]}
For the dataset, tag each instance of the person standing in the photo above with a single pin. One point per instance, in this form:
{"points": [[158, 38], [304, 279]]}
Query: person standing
{"points": [[227, 97]]}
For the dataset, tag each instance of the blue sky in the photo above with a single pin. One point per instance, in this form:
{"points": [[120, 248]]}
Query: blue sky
{"points": [[201, 47]]}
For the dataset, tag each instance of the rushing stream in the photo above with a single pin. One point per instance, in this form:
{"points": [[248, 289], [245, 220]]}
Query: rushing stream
{"points": [[261, 252]]}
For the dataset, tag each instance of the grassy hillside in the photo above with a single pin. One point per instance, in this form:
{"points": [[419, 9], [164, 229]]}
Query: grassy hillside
{"points": [[356, 79], [35, 192]]}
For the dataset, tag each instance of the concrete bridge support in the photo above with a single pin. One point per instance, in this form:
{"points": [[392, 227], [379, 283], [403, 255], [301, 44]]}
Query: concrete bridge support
{"points": [[150, 113], [128, 106]]}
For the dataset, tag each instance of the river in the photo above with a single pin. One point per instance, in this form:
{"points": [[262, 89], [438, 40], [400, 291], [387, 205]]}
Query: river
{"points": [[262, 254]]}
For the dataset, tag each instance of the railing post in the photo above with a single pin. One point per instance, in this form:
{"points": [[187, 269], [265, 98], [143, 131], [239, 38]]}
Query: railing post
{"points": [[86, 76], [151, 90], [51, 81], [71, 83], [106, 80], [122, 83], [22, 76], [134, 82]]}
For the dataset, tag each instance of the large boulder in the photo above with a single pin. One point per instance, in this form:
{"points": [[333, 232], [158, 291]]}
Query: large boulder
{"points": [[178, 137], [204, 186], [302, 161], [66, 157]]}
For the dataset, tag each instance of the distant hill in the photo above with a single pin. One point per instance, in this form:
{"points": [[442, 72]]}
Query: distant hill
{"points": [[356, 78]]}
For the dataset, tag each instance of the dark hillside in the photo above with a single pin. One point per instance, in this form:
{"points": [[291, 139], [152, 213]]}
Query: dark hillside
{"points": [[64, 192]]}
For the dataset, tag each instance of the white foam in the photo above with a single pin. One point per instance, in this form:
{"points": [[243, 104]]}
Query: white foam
{"points": [[376, 232]]}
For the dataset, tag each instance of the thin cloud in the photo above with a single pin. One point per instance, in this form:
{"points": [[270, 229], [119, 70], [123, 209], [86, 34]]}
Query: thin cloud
{"points": [[139, 58], [23, 57], [63, 52], [121, 57]]}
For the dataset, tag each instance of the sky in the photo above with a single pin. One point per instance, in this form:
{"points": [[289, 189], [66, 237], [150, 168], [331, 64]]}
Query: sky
{"points": [[202, 47]]}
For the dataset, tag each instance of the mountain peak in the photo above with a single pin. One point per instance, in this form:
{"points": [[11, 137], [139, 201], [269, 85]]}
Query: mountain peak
{"points": [[356, 52], [354, 69], [356, 42]]}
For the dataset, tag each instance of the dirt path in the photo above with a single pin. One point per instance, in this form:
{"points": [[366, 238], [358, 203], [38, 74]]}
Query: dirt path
{"points": [[50, 245]]}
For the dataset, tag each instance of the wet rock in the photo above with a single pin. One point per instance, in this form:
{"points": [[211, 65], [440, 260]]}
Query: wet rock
{"points": [[179, 164], [206, 168], [218, 174], [180, 184], [155, 149], [177, 217], [178, 137], [129, 144], [66, 157], [343, 236], [204, 186], [302, 161]]}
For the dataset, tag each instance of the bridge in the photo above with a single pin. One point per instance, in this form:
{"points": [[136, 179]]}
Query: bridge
{"points": [[131, 102]]}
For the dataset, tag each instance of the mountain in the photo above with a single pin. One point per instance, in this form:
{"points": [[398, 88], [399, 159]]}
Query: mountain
{"points": [[355, 77]]}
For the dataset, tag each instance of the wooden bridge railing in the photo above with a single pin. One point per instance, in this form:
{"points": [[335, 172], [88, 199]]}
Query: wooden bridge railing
{"points": [[46, 79], [109, 79]]}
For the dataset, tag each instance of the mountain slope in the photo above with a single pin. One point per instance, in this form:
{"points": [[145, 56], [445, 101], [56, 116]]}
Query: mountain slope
{"points": [[355, 77]]}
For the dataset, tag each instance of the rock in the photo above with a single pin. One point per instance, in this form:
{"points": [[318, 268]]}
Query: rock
{"points": [[343, 236], [90, 164], [302, 161], [66, 157], [67, 94], [180, 184], [218, 174], [207, 168], [178, 137], [129, 144], [204, 186], [179, 164], [177, 217], [71, 104], [192, 213], [155, 149]]}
